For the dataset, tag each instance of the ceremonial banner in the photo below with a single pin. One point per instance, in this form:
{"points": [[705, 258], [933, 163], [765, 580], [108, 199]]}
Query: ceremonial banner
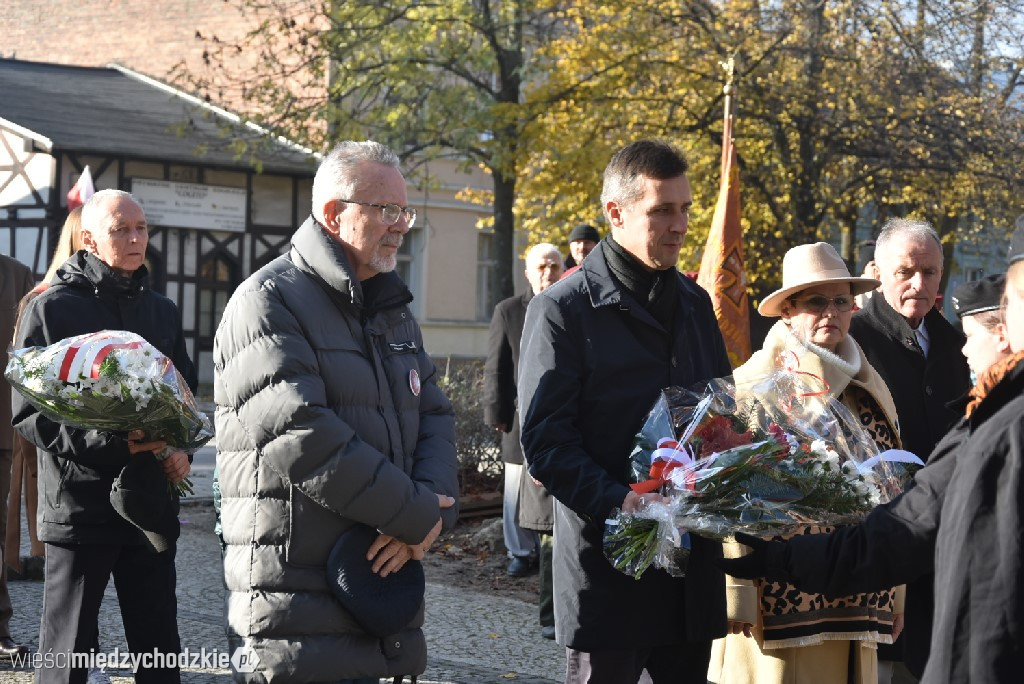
{"points": [[721, 268]]}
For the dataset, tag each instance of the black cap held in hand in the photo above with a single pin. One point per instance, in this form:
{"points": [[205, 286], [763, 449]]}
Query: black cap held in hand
{"points": [[381, 605], [978, 296], [141, 496]]}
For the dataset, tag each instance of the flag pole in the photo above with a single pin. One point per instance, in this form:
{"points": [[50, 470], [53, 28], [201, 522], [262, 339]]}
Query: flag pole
{"points": [[728, 90]]}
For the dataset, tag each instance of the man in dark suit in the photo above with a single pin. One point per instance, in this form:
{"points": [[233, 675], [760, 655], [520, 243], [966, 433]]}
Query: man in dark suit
{"points": [[543, 269], [917, 352]]}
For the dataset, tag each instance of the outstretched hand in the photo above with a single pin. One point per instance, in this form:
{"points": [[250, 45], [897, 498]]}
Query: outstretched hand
{"points": [[754, 565]]}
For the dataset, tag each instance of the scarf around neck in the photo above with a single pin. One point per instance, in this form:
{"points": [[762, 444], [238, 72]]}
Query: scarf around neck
{"points": [[652, 289]]}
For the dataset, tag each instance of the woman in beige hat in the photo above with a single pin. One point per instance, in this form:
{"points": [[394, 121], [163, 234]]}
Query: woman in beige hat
{"points": [[781, 635]]}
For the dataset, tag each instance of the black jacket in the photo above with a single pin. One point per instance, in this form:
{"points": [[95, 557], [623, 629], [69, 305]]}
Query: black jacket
{"points": [[594, 360], [894, 545], [921, 388], [501, 371], [978, 635], [77, 467]]}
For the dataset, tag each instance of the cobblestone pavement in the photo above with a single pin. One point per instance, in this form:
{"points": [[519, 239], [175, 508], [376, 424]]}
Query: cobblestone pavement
{"points": [[472, 638]]}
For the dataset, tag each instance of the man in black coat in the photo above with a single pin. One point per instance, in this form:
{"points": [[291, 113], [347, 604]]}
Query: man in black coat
{"points": [[917, 353], [543, 268], [597, 348], [103, 288]]}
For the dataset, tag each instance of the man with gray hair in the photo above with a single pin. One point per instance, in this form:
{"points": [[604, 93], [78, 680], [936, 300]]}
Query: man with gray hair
{"points": [[597, 349], [917, 352], [104, 287], [525, 547], [330, 424]]}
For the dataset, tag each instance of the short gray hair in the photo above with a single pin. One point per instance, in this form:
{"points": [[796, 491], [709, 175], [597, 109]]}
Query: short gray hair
{"points": [[541, 250], [915, 229], [336, 178], [91, 211]]}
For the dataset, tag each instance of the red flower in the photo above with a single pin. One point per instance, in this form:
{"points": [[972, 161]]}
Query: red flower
{"points": [[717, 435]]}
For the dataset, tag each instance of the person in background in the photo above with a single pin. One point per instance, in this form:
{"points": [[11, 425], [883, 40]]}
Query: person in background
{"points": [[25, 473], [582, 241], [895, 544], [979, 305], [523, 499], [916, 351], [543, 269], [781, 635], [597, 348], [15, 281]]}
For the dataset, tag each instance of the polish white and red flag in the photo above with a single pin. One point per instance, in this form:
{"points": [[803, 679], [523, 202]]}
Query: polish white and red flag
{"points": [[81, 191], [85, 355]]}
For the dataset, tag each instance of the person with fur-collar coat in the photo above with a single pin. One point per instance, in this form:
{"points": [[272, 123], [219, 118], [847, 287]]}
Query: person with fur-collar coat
{"points": [[780, 635]]}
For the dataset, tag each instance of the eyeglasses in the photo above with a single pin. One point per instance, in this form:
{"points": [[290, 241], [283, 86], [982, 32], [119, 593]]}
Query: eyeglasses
{"points": [[817, 304], [389, 213]]}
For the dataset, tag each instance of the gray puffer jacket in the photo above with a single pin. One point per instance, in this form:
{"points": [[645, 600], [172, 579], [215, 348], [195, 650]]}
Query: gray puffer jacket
{"points": [[327, 414]]}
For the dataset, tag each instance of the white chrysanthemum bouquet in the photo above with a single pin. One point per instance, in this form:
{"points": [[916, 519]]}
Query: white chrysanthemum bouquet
{"points": [[113, 381]]}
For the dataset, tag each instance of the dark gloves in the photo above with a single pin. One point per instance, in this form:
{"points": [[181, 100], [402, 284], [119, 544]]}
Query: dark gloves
{"points": [[766, 559]]}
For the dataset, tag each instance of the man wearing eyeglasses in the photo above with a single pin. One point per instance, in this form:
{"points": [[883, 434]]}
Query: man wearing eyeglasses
{"points": [[917, 352], [329, 416]]}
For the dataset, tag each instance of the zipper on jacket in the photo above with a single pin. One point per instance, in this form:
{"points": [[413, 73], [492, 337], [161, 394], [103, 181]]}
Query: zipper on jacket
{"points": [[377, 361]]}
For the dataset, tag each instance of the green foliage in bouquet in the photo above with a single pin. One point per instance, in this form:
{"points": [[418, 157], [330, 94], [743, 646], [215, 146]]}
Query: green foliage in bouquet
{"points": [[112, 381]]}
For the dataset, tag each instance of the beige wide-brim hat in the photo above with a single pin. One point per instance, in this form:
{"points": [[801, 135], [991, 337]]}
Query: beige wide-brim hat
{"points": [[805, 266]]}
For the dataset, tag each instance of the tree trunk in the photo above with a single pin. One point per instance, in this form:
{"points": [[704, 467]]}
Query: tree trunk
{"points": [[981, 11], [504, 236], [806, 122]]}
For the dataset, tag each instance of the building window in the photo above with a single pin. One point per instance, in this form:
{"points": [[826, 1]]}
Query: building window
{"points": [[975, 274], [486, 276], [216, 282], [410, 266]]}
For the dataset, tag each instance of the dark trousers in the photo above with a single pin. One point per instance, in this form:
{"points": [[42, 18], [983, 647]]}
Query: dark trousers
{"points": [[77, 576], [547, 600], [6, 459], [683, 663]]}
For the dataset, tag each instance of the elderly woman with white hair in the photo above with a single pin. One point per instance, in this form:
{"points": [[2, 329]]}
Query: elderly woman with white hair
{"points": [[781, 635]]}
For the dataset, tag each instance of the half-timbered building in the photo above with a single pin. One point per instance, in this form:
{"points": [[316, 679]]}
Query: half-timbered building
{"points": [[216, 215]]}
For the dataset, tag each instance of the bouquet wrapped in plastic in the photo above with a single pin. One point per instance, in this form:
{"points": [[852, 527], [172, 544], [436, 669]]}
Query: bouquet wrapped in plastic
{"points": [[766, 458], [113, 381]]}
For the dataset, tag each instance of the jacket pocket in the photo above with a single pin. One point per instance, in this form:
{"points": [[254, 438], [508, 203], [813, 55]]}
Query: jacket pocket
{"points": [[312, 530], [55, 495]]}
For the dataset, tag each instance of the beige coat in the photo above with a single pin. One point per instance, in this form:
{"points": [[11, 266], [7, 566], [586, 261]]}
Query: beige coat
{"points": [[738, 659]]}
